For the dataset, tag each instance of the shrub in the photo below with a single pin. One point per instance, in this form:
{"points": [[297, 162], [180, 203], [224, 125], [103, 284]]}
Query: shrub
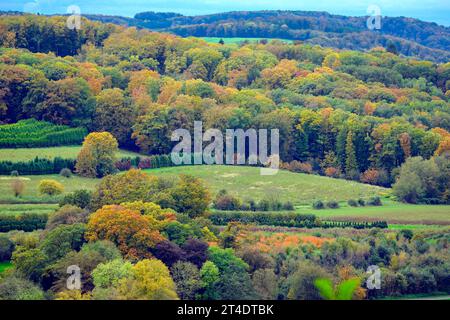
{"points": [[318, 205], [332, 172], [288, 206], [6, 248], [375, 201], [264, 205], [50, 187], [123, 164], [78, 198], [332, 204], [18, 187], [65, 172], [361, 202], [14, 173], [225, 201], [67, 215], [352, 203], [297, 166]]}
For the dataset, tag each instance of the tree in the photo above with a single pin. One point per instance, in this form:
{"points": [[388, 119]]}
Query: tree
{"points": [[134, 185], [128, 229], [97, 155], [6, 248], [195, 251], [115, 115], [210, 276], [168, 252], [67, 215], [79, 198], [190, 196], [50, 187], [149, 280], [107, 276], [265, 284], [351, 165], [301, 282], [14, 288], [187, 279], [18, 187], [63, 239], [67, 101]]}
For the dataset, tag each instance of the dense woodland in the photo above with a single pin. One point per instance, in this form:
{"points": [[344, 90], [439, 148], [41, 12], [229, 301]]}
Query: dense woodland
{"points": [[373, 117], [340, 113]]}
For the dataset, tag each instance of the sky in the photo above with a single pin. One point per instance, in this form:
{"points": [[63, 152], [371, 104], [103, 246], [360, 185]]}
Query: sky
{"points": [[428, 10]]}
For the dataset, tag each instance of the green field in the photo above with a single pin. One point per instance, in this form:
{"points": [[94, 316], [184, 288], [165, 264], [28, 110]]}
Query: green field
{"points": [[247, 183], [5, 266], [68, 152], [27, 208], [239, 40], [392, 212], [31, 193]]}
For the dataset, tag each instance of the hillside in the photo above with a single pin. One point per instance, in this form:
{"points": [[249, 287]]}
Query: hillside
{"points": [[411, 37]]}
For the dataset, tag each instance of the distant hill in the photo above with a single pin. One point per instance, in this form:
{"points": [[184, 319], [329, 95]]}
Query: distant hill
{"points": [[411, 37], [408, 36]]}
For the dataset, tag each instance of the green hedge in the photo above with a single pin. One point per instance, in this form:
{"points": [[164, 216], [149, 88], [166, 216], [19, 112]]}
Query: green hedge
{"points": [[37, 166], [25, 222], [287, 219]]}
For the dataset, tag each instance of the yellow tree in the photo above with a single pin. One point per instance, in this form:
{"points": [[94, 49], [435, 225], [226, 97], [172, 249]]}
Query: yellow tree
{"points": [[97, 155]]}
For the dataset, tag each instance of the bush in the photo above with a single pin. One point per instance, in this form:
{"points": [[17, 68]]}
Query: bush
{"points": [[18, 187], [375, 201], [318, 205], [361, 202], [288, 206], [78, 198], [67, 215], [352, 203], [264, 205], [6, 248], [264, 218], [225, 201], [14, 173], [65, 172], [50, 187], [332, 204]]}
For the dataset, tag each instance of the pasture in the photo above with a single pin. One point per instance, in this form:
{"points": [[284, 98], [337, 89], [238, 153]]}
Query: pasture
{"points": [[66, 152]]}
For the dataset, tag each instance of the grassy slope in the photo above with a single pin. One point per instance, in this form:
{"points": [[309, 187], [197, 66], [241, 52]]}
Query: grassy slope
{"points": [[246, 182], [392, 212], [27, 208], [31, 193], [68, 152]]}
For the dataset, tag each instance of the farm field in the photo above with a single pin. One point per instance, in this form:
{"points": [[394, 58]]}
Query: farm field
{"points": [[392, 212], [246, 182], [37, 208], [31, 193], [239, 40], [66, 152]]}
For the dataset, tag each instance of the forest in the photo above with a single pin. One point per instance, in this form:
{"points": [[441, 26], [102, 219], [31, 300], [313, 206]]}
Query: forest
{"points": [[373, 124]]}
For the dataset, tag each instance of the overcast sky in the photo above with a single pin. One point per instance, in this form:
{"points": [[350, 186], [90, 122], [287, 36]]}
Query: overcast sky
{"points": [[427, 10]]}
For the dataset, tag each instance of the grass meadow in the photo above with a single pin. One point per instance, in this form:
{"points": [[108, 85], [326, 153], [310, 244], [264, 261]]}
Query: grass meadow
{"points": [[67, 152]]}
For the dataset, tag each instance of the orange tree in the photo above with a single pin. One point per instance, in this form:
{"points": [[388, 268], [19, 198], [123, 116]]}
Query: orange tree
{"points": [[132, 232]]}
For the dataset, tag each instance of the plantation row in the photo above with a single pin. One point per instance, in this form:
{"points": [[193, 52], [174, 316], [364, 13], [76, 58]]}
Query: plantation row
{"points": [[31, 133], [45, 166], [25, 222], [287, 220]]}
